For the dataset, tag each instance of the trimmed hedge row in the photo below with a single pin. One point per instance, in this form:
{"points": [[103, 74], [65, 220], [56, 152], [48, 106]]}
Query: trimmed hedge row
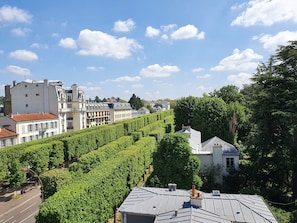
{"points": [[74, 144], [88, 161], [99, 192]]}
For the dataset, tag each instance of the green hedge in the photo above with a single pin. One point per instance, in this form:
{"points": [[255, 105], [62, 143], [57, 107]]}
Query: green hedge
{"points": [[54, 180], [75, 143], [98, 193], [94, 158]]}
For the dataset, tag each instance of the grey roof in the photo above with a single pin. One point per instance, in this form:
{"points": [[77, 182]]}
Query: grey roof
{"points": [[162, 203], [227, 148]]}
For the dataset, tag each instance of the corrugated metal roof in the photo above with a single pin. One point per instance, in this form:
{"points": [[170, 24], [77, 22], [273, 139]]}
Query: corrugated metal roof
{"points": [[162, 203]]}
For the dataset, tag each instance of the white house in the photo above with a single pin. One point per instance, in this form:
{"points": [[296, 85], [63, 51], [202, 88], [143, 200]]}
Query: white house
{"points": [[171, 205], [28, 127], [214, 152], [7, 137]]}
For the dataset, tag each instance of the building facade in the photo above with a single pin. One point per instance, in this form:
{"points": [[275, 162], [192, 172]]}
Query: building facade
{"points": [[119, 111], [213, 153], [7, 138], [28, 127]]}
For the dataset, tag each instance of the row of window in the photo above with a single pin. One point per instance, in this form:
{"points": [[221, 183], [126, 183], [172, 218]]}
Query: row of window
{"points": [[35, 137], [40, 126], [7, 142]]}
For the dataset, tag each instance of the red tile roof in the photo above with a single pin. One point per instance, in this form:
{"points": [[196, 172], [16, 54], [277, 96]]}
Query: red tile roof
{"points": [[4, 133], [31, 117]]}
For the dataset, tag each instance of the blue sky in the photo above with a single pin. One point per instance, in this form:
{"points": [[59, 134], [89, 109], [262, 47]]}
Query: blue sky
{"points": [[155, 49]]}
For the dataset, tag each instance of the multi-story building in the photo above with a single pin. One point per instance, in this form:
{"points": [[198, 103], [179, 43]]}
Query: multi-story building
{"points": [[119, 111], [28, 127], [47, 97], [97, 114]]}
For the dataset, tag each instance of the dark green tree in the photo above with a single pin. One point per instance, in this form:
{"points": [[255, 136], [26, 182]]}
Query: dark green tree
{"points": [[174, 163], [210, 117], [135, 102], [184, 111], [273, 95], [16, 176]]}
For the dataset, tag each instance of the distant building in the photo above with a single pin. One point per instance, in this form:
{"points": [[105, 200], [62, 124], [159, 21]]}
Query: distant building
{"points": [[171, 205], [7, 137], [119, 111], [28, 127], [97, 114], [214, 152]]}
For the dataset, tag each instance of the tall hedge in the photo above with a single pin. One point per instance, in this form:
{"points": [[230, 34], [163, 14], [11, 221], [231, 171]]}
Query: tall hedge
{"points": [[99, 192]]}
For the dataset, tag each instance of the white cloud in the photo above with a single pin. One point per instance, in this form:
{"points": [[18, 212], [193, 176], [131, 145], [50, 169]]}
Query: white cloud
{"points": [[168, 28], [124, 26], [13, 14], [198, 69], [137, 86], [23, 55], [267, 12], [203, 76], [158, 71], [272, 42], [68, 43], [127, 78], [240, 79], [92, 68], [39, 46], [241, 61], [18, 70], [97, 43], [20, 31], [1, 52], [201, 88], [187, 32], [55, 35], [152, 32]]}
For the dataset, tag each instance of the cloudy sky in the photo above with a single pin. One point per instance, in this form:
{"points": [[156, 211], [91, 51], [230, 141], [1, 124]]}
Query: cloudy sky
{"points": [[155, 49]]}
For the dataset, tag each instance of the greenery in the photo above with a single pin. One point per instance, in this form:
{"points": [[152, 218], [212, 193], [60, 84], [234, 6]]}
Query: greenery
{"points": [[174, 163], [135, 102]]}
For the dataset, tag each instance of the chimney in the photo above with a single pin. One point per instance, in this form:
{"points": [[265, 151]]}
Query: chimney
{"points": [[196, 198], [171, 187]]}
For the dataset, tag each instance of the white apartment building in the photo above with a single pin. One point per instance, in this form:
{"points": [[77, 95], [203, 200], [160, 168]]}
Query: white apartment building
{"points": [[47, 97], [97, 114], [119, 111], [32, 126]]}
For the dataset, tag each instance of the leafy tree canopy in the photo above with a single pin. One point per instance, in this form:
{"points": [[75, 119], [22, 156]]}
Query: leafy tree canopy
{"points": [[135, 102], [174, 163]]}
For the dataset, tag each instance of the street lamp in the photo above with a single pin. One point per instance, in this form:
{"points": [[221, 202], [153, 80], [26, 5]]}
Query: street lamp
{"points": [[26, 170]]}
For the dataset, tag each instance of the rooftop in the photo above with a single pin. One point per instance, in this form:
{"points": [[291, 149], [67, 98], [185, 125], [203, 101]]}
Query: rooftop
{"points": [[31, 117], [175, 206]]}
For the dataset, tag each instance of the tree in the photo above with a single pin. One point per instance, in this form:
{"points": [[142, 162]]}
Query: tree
{"points": [[135, 102], [16, 176], [174, 163], [210, 117], [273, 157], [184, 111]]}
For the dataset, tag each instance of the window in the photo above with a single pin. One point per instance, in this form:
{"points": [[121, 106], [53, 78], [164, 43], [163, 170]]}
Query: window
{"points": [[26, 95], [27, 105], [29, 128], [37, 94], [229, 162]]}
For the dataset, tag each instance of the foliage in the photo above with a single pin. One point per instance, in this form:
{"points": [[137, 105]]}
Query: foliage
{"points": [[135, 102], [208, 176], [16, 177], [210, 118], [174, 156], [184, 111], [55, 180], [94, 197], [272, 96]]}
